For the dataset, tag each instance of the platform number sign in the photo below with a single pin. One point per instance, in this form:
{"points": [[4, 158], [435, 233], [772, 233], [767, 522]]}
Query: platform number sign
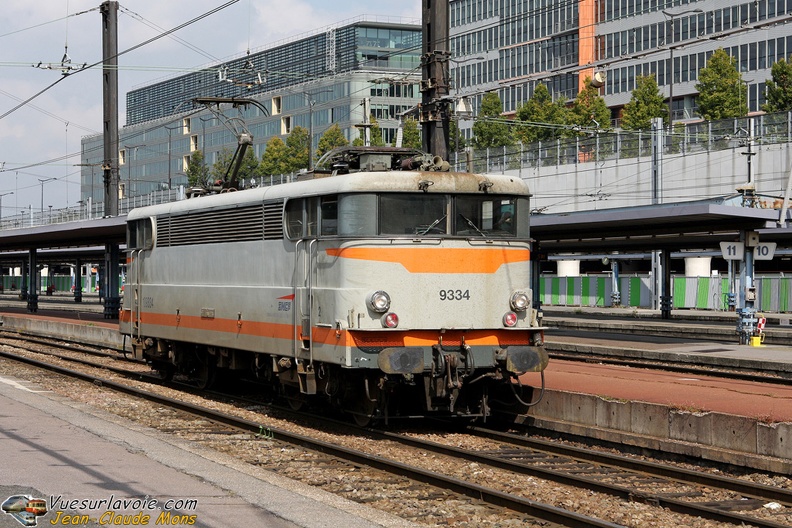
{"points": [[764, 251], [732, 250]]}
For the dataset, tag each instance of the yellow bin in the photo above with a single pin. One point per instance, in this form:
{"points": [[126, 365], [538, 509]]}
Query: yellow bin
{"points": [[757, 340]]}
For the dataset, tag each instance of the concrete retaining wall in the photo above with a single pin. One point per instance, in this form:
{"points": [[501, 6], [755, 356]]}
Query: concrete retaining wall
{"points": [[710, 436], [82, 332]]}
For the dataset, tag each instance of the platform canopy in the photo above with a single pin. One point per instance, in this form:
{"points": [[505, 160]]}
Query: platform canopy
{"points": [[700, 225]]}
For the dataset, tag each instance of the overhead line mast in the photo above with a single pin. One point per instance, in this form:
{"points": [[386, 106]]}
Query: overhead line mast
{"points": [[435, 82], [110, 286]]}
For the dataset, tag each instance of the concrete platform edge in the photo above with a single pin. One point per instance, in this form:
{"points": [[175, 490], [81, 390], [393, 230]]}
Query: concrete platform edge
{"points": [[717, 437], [85, 332]]}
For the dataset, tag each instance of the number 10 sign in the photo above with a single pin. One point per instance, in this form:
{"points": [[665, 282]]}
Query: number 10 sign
{"points": [[735, 250]]}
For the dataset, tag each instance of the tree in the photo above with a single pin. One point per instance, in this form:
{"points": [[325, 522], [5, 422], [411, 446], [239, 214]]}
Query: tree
{"points": [[542, 113], [275, 160], [455, 137], [197, 171], [332, 138], [222, 167], [779, 88], [299, 147], [589, 109], [411, 134], [646, 103], [722, 93], [487, 132], [376, 135]]}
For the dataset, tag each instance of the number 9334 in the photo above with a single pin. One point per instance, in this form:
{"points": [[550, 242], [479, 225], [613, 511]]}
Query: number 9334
{"points": [[454, 295]]}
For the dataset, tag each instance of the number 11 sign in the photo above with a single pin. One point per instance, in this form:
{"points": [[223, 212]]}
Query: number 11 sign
{"points": [[732, 250]]}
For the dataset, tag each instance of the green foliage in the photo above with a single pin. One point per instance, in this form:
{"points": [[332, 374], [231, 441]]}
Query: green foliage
{"points": [[275, 160], [298, 144], [197, 171], [646, 103], [411, 134], [455, 138], [589, 107], [332, 138], [222, 166], [540, 110], [376, 135], [779, 88], [722, 93], [488, 133]]}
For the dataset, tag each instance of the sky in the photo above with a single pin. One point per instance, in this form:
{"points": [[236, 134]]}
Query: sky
{"points": [[34, 35]]}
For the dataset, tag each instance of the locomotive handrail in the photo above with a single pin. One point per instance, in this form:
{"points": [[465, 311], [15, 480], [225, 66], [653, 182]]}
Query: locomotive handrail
{"points": [[136, 293], [311, 269], [297, 300]]}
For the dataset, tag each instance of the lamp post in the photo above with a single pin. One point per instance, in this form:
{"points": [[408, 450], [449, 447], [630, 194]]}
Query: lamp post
{"points": [[1, 206], [203, 134], [311, 103], [462, 107], [42, 182], [169, 129], [671, 17], [129, 165]]}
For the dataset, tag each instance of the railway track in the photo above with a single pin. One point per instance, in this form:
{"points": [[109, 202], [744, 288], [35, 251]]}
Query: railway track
{"points": [[686, 492], [732, 372]]}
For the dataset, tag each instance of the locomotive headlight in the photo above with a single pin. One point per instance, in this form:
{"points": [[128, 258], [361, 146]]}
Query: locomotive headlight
{"points": [[519, 301], [379, 301], [510, 319]]}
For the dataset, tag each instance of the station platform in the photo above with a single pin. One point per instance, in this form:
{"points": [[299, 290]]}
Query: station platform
{"points": [[74, 457], [708, 417]]}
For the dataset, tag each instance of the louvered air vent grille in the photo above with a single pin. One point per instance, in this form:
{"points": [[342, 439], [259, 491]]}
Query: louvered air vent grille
{"points": [[240, 224]]}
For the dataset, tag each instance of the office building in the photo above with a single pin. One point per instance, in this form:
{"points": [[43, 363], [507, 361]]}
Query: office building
{"points": [[512, 45], [312, 81]]}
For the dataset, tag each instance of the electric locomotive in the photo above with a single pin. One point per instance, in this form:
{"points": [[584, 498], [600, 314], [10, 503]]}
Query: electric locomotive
{"points": [[381, 282]]}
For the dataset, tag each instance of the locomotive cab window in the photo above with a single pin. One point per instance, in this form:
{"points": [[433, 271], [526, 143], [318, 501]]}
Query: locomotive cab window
{"points": [[455, 215], [328, 219], [140, 234], [294, 219], [302, 217], [413, 214], [491, 216]]}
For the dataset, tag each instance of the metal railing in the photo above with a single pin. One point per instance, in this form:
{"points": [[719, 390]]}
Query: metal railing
{"points": [[603, 145], [89, 210]]}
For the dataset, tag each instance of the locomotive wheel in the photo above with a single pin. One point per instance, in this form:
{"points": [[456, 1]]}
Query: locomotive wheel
{"points": [[294, 397], [367, 401], [204, 376], [363, 414], [164, 370]]}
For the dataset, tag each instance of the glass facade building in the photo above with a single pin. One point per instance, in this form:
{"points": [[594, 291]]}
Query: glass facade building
{"points": [[512, 45], [312, 81]]}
